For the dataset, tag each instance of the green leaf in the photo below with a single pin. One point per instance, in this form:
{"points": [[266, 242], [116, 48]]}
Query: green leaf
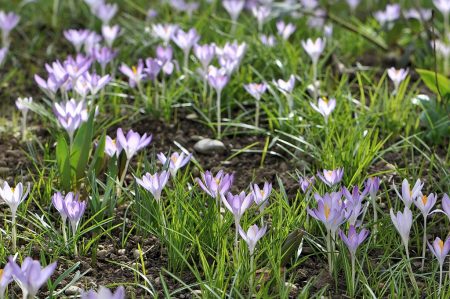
{"points": [[81, 148], [437, 83], [98, 162], [62, 159]]}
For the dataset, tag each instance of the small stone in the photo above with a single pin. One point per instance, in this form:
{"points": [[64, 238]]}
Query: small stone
{"points": [[209, 146], [102, 253], [121, 252], [292, 287], [192, 116], [136, 253], [72, 290]]}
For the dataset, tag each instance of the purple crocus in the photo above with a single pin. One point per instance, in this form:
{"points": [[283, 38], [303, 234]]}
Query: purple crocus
{"points": [[285, 87], [8, 21], [135, 74], [408, 196], [425, 203], [331, 177], [185, 41], [256, 90], [175, 162], [314, 48], [231, 55], [440, 249], [261, 195], [30, 276], [165, 31], [104, 293], [70, 115], [237, 205], [106, 12], [446, 205], [285, 30], [74, 209], [216, 185], [76, 37], [261, 13], [58, 201], [154, 183], [77, 67], [110, 33], [330, 211], [267, 40], [6, 278], [103, 55], [353, 204], [353, 239], [234, 8], [403, 223], [111, 147], [165, 60], [372, 185], [306, 183], [92, 41], [95, 82], [205, 54], [252, 236], [324, 106], [132, 142]]}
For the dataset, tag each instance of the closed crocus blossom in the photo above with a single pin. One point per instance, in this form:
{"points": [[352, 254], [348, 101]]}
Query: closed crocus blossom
{"points": [[216, 185], [440, 249], [104, 293], [104, 55], [372, 185], [252, 236], [30, 276], [186, 40], [154, 183], [261, 195], [397, 76], [217, 78], [110, 33], [176, 161], [111, 147], [13, 196], [325, 107], [106, 12], [234, 8], [132, 142], [256, 90], [261, 13], [285, 30], [353, 239], [285, 86], [74, 209], [135, 74], [409, 195], [267, 40], [237, 204], [403, 223], [76, 37], [331, 177], [59, 202], [8, 21], [5, 279], [446, 205], [164, 31], [314, 48], [205, 54], [306, 183], [23, 104]]}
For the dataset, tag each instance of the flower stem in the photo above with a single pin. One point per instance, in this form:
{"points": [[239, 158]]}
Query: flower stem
{"points": [[375, 215], [64, 232], [330, 262], [257, 114], [410, 271], [14, 233], [24, 125], [440, 278], [314, 80], [218, 115], [353, 258], [236, 235], [122, 178], [252, 274], [424, 241]]}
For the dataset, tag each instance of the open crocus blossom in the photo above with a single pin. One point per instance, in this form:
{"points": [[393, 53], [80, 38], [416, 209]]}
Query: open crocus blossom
{"points": [[261, 196], [324, 106], [252, 236], [285, 87], [70, 115], [314, 48], [440, 249], [154, 183], [13, 196], [76, 37], [111, 147], [176, 161], [331, 177], [104, 293], [74, 209], [408, 195], [403, 223], [132, 142], [397, 76], [306, 183], [214, 186], [330, 211], [256, 90], [135, 74], [30, 275], [5, 279], [353, 239], [164, 31], [7, 23], [425, 203]]}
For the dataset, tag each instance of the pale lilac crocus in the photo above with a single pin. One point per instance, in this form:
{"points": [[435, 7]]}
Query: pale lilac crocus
{"points": [[185, 41], [397, 76], [409, 195], [164, 57], [111, 147], [135, 74], [95, 82], [13, 197], [353, 204], [285, 30], [231, 55], [70, 115], [237, 205], [267, 40], [6, 278], [216, 185], [132, 142], [110, 33], [104, 293], [106, 12], [331, 177], [285, 87], [261, 195], [92, 41], [77, 67], [252, 236], [443, 6], [59, 202], [446, 205], [372, 185], [152, 69], [30, 276], [154, 183], [8, 21], [425, 203], [74, 209], [76, 37], [175, 162], [205, 54], [403, 223], [256, 90], [234, 9], [103, 55], [353, 4], [324, 106], [164, 31], [440, 249], [314, 48], [218, 79], [261, 13], [389, 15], [306, 183]]}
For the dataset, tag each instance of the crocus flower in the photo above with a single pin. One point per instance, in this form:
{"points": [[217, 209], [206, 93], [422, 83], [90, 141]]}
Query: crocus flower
{"points": [[331, 177], [133, 142], [110, 33], [165, 31], [230, 55], [164, 57], [372, 185], [152, 68], [389, 15], [154, 183], [76, 37], [70, 115], [13, 196], [285, 87], [74, 209], [314, 48], [5, 279], [30, 276], [185, 41], [59, 201], [285, 30], [403, 223], [234, 8], [237, 204], [353, 4], [443, 6], [306, 183], [3, 52], [104, 293], [261, 196], [261, 13], [106, 12], [353, 239], [95, 82], [217, 78], [256, 90], [252, 236], [92, 41], [176, 161], [446, 205], [425, 203], [103, 55], [23, 103], [77, 67], [324, 106], [111, 147], [397, 76], [418, 14], [7, 23], [205, 54], [214, 186], [135, 74], [330, 211], [440, 249], [267, 40], [408, 196]]}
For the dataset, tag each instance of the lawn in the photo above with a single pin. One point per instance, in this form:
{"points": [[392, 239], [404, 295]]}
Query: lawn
{"points": [[224, 149]]}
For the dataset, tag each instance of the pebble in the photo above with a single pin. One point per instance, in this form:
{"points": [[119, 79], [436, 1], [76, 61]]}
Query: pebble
{"points": [[192, 116], [136, 253], [72, 290], [121, 252], [209, 146], [102, 253], [291, 286]]}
